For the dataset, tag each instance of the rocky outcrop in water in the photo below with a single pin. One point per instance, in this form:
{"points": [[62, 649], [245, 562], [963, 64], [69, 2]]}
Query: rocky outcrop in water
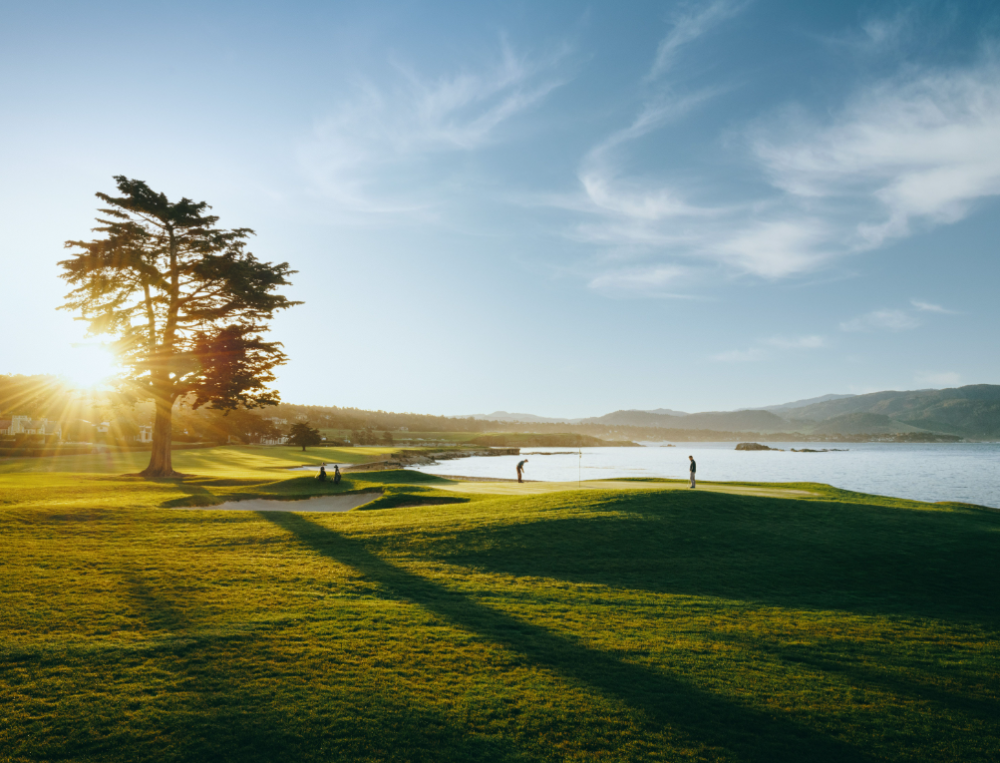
{"points": [[753, 446]]}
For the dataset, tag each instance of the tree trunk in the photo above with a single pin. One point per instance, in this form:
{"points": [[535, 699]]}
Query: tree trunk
{"points": [[160, 463]]}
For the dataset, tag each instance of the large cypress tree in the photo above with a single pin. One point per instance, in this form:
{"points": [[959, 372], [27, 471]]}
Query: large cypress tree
{"points": [[186, 303]]}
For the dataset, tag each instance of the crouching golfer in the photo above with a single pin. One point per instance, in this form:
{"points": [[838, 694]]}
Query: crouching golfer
{"points": [[520, 470], [694, 468]]}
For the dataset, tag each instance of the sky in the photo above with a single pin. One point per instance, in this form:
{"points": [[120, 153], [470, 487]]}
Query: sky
{"points": [[561, 208]]}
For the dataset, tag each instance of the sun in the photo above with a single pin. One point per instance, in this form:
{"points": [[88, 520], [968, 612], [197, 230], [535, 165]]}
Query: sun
{"points": [[91, 365]]}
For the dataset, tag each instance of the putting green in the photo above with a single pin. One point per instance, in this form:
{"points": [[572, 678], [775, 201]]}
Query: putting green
{"points": [[540, 488]]}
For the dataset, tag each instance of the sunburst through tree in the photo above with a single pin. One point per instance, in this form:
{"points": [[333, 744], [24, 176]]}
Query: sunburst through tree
{"points": [[185, 301]]}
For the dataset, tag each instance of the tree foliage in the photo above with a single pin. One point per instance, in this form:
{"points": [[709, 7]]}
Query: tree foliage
{"points": [[304, 435], [186, 302]]}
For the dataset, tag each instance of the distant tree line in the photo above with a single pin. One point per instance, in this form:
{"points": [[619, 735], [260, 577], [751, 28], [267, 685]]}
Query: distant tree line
{"points": [[50, 397]]}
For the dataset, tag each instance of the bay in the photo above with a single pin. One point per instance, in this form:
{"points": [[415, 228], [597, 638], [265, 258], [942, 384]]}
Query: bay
{"points": [[963, 472]]}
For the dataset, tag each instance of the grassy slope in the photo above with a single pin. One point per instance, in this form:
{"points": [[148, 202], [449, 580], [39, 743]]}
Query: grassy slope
{"points": [[622, 624]]}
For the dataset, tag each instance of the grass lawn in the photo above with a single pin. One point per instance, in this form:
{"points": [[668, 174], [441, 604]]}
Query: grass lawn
{"points": [[619, 621]]}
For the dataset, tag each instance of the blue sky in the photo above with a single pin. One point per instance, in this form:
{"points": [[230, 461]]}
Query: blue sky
{"points": [[560, 208]]}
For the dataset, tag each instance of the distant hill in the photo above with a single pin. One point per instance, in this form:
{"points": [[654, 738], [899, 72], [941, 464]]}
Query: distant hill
{"points": [[557, 440], [970, 411], [737, 421], [623, 418], [779, 409], [862, 423], [635, 419], [528, 418]]}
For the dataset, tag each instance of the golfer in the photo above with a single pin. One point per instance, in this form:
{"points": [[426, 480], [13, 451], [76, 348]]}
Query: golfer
{"points": [[694, 468], [520, 470]]}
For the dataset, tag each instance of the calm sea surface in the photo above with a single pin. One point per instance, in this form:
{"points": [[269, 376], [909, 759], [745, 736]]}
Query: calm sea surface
{"points": [[967, 472]]}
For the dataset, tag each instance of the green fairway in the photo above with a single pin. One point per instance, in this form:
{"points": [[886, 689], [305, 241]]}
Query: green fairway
{"points": [[539, 488], [615, 621]]}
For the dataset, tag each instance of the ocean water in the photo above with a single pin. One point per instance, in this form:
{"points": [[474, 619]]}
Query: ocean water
{"points": [[966, 472]]}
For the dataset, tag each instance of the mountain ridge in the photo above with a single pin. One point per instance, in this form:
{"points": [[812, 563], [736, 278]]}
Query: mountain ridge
{"points": [[968, 411]]}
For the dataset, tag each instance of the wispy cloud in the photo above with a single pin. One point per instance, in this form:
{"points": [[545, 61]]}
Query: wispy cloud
{"points": [[767, 347], [928, 307], [891, 320], [740, 356], [894, 319], [385, 149], [687, 27], [901, 155], [798, 343], [920, 148], [939, 379], [877, 34], [658, 280]]}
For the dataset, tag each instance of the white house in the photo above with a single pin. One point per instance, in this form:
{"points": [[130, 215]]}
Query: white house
{"points": [[28, 425], [145, 434]]}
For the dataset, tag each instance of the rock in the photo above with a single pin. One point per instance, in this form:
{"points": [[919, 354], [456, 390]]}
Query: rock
{"points": [[753, 446]]}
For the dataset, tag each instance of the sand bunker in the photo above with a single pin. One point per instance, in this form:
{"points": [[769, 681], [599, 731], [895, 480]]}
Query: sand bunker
{"points": [[322, 503]]}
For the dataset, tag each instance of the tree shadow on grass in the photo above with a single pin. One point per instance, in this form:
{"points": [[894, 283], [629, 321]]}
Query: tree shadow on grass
{"points": [[871, 673], [804, 554], [193, 495], [705, 719], [241, 701]]}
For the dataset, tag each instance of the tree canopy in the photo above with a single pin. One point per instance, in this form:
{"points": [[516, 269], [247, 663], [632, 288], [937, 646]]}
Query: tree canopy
{"points": [[186, 302], [304, 435]]}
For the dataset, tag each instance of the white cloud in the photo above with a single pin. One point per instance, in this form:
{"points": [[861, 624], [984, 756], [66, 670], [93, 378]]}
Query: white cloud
{"points": [[918, 148], [740, 356], [879, 34], [759, 352], [653, 281], [687, 28], [891, 320], [798, 343], [906, 153], [928, 307], [945, 379], [370, 154]]}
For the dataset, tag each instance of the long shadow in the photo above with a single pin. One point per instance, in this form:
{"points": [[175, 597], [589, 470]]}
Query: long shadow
{"points": [[860, 558], [749, 734], [235, 712], [194, 494], [986, 709]]}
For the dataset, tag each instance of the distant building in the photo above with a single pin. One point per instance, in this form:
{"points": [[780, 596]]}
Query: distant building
{"points": [[145, 434], [282, 440], [403, 429], [277, 422], [27, 425]]}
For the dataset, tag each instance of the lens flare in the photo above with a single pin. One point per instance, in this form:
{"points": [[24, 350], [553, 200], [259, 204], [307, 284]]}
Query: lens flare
{"points": [[91, 366]]}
